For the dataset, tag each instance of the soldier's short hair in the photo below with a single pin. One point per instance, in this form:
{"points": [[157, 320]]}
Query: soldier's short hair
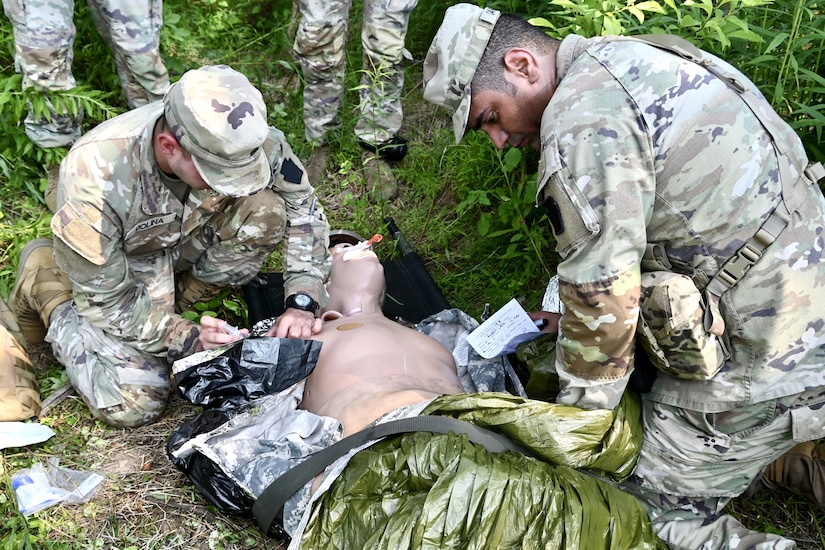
{"points": [[510, 32]]}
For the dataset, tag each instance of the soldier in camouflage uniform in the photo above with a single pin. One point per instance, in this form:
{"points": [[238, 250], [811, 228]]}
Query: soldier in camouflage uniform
{"points": [[655, 170], [320, 45], [156, 209], [44, 34]]}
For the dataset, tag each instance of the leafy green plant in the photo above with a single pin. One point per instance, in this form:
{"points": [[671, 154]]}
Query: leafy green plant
{"points": [[30, 161], [508, 211], [227, 305], [790, 70]]}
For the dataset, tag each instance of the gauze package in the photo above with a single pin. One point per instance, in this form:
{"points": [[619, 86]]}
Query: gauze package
{"points": [[39, 487]]}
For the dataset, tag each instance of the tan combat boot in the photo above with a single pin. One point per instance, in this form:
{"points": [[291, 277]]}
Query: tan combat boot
{"points": [[19, 392], [381, 183], [317, 165], [50, 195], [800, 470], [41, 286]]}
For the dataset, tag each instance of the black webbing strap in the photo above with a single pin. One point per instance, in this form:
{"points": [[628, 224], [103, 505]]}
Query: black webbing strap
{"points": [[269, 505]]}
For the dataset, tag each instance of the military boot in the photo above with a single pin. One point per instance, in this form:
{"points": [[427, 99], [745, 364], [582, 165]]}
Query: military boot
{"points": [[800, 470], [381, 183], [191, 290], [19, 392], [41, 286], [317, 165], [50, 195]]}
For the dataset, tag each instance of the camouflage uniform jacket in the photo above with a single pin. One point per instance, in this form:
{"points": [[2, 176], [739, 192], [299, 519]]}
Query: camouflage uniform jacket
{"points": [[640, 146], [128, 233]]}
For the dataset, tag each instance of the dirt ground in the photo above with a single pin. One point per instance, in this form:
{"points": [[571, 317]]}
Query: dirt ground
{"points": [[144, 502]]}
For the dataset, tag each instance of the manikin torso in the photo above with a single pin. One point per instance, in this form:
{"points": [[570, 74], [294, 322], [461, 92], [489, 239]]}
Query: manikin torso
{"points": [[368, 364]]}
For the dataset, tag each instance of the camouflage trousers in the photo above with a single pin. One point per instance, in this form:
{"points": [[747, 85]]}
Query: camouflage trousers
{"points": [[692, 464], [233, 246], [121, 385], [44, 34], [321, 47], [124, 385]]}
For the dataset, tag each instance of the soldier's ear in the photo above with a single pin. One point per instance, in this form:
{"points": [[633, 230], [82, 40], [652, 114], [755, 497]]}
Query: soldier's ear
{"points": [[521, 63], [166, 144]]}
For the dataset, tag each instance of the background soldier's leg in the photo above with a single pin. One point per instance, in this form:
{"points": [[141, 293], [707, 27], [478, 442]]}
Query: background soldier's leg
{"points": [[320, 45], [44, 34], [132, 31], [121, 386], [382, 83]]}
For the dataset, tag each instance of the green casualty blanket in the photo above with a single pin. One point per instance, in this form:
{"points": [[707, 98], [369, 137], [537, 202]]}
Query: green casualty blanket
{"points": [[422, 490]]}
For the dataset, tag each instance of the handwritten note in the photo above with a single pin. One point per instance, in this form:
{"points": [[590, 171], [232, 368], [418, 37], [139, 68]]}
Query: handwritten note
{"points": [[503, 331]]}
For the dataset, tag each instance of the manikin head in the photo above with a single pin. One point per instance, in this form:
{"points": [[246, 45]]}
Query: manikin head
{"points": [[356, 283]]}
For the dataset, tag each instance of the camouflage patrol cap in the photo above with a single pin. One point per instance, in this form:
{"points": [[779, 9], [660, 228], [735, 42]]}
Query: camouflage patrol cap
{"points": [[219, 117], [453, 57]]}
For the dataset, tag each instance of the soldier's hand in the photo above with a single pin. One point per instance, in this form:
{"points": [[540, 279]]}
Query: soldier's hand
{"points": [[295, 323], [217, 332], [547, 321]]}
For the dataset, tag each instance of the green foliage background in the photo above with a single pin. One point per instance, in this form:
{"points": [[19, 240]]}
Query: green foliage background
{"points": [[467, 208]]}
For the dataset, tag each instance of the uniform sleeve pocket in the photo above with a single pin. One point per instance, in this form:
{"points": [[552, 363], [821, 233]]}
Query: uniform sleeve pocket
{"points": [[571, 217], [808, 423]]}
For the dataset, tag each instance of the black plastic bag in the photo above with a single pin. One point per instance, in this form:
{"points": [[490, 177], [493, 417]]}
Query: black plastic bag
{"points": [[249, 369], [226, 384], [213, 483]]}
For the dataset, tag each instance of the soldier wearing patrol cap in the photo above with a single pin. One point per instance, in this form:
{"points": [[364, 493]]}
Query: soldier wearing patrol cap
{"points": [[156, 209], [687, 217]]}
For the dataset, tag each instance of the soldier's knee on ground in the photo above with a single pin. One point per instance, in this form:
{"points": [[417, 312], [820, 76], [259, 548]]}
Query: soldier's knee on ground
{"points": [[257, 222], [801, 470], [142, 405]]}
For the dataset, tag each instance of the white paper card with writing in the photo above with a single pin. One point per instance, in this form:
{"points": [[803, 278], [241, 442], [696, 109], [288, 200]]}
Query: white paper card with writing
{"points": [[503, 331]]}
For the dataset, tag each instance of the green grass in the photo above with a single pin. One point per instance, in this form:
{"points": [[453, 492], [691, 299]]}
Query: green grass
{"points": [[465, 208]]}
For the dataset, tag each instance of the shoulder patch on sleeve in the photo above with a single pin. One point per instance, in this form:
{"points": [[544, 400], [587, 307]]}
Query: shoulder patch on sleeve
{"points": [[83, 232], [291, 172]]}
